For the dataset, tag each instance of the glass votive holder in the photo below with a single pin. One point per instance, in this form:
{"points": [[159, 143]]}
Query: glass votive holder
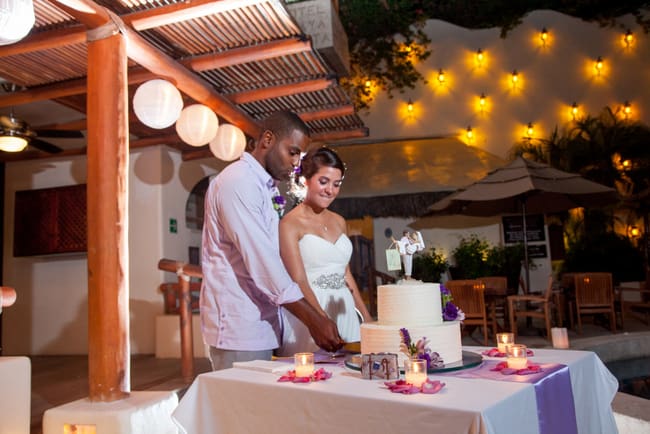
{"points": [[303, 364], [415, 371], [516, 356], [560, 338], [503, 340]]}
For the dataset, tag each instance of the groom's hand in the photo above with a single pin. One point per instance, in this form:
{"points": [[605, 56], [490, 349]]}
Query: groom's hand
{"points": [[321, 327], [326, 335]]}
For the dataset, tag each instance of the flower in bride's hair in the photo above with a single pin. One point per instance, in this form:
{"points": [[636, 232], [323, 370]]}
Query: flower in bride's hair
{"points": [[297, 187]]}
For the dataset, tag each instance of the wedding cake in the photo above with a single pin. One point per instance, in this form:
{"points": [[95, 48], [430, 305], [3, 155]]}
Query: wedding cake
{"points": [[416, 307]]}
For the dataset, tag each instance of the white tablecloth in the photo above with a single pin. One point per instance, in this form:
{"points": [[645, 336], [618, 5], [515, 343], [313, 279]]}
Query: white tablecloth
{"points": [[247, 401]]}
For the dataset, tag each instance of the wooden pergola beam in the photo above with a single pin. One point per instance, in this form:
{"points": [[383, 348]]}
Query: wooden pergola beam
{"points": [[333, 136], [237, 56], [282, 90], [343, 110], [204, 151], [175, 13], [46, 41]]}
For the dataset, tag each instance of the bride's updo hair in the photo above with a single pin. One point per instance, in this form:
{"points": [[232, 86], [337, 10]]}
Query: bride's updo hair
{"points": [[320, 157]]}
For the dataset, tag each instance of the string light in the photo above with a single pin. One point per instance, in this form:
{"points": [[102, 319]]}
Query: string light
{"points": [[599, 65], [628, 38], [543, 35], [482, 101], [409, 107], [529, 130], [479, 57], [574, 110], [469, 133], [627, 109], [514, 78], [441, 76]]}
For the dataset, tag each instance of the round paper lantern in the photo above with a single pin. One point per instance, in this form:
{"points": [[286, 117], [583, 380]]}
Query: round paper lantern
{"points": [[197, 125], [229, 143], [157, 103], [16, 20]]}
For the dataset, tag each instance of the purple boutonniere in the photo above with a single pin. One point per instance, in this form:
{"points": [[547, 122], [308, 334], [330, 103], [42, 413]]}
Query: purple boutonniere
{"points": [[278, 204]]}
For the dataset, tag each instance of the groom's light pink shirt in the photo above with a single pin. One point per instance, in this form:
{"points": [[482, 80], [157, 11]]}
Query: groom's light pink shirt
{"points": [[244, 278]]}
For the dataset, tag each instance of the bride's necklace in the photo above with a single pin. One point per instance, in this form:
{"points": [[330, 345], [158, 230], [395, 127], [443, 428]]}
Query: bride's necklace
{"points": [[312, 214]]}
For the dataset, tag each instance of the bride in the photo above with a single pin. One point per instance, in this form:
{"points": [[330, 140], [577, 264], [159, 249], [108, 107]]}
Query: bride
{"points": [[316, 251]]}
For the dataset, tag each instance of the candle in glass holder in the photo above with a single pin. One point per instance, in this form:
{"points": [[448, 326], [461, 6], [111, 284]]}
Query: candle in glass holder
{"points": [[560, 337], [516, 356], [304, 364], [504, 339], [415, 371]]}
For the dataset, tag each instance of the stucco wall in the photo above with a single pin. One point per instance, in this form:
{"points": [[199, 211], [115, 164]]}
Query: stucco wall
{"points": [[50, 315]]}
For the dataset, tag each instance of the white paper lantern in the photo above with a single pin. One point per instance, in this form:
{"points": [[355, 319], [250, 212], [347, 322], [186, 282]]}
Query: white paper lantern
{"points": [[16, 20], [197, 125], [229, 143], [157, 103]]}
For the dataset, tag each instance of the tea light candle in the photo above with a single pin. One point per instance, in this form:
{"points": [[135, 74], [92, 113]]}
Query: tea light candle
{"points": [[504, 339], [516, 356], [560, 337], [304, 364], [415, 372]]}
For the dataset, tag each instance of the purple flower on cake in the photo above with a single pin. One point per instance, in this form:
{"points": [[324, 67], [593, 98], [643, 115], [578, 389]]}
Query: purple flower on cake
{"points": [[450, 312], [419, 349]]}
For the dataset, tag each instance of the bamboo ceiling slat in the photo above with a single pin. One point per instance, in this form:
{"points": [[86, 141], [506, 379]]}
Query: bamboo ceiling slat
{"points": [[49, 16]]}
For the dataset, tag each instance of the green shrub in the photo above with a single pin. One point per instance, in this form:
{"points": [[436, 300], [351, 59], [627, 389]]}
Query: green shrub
{"points": [[606, 252], [429, 266], [470, 257]]}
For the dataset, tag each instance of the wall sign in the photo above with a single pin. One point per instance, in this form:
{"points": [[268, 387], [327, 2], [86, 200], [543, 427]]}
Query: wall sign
{"points": [[513, 228]]}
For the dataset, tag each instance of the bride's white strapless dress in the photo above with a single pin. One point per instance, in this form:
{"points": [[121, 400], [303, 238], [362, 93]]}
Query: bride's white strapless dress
{"points": [[325, 264]]}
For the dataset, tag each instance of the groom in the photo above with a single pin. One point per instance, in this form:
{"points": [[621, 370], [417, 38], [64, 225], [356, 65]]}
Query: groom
{"points": [[244, 279]]}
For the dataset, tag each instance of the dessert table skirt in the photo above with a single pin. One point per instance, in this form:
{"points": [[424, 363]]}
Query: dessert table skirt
{"points": [[249, 401]]}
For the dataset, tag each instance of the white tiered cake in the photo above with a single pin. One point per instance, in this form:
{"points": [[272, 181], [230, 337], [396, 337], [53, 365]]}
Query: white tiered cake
{"points": [[416, 307]]}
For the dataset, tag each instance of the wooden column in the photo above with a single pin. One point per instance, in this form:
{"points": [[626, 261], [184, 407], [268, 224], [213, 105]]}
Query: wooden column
{"points": [[185, 273], [108, 259]]}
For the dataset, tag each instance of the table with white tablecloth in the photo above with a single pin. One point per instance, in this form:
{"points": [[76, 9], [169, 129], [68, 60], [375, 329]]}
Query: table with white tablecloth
{"points": [[253, 401]]}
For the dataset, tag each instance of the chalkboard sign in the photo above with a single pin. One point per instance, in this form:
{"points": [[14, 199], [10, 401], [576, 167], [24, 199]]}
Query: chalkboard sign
{"points": [[537, 251], [513, 228]]}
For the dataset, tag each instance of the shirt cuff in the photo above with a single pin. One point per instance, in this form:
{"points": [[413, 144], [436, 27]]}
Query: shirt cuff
{"points": [[290, 294]]}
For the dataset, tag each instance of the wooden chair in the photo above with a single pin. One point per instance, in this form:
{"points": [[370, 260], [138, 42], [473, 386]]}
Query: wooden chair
{"points": [[373, 275], [635, 301], [594, 293], [496, 293], [531, 306], [468, 295]]}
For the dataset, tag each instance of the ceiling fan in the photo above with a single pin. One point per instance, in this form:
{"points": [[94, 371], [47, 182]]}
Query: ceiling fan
{"points": [[16, 134]]}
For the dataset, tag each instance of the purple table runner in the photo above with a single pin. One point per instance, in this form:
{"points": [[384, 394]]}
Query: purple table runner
{"points": [[555, 407]]}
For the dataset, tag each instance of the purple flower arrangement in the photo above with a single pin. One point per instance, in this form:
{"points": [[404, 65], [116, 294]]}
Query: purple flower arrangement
{"points": [[419, 350], [450, 312]]}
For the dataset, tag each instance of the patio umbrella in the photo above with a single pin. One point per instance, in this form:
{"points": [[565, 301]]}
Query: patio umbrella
{"points": [[525, 187]]}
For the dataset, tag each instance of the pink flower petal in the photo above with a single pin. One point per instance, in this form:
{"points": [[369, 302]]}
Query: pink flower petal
{"points": [[431, 387], [302, 379]]}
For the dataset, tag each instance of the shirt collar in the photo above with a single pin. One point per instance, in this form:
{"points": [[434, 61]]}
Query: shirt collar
{"points": [[259, 171]]}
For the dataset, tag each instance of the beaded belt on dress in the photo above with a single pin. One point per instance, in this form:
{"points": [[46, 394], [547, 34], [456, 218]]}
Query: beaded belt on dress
{"points": [[331, 281]]}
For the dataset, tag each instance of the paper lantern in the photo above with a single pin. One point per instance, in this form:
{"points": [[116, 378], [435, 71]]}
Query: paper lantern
{"points": [[16, 20], [197, 125], [229, 143], [157, 103]]}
